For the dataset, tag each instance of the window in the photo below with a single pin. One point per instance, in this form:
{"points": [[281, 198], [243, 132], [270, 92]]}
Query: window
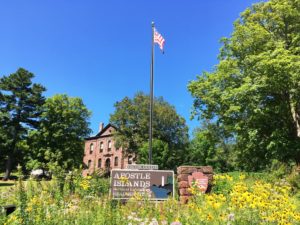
{"points": [[109, 145], [117, 148], [116, 161], [101, 146], [99, 163], [91, 148], [89, 164]]}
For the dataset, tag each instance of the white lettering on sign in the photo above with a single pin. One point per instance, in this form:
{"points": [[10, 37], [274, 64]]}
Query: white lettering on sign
{"points": [[143, 184], [137, 176]]}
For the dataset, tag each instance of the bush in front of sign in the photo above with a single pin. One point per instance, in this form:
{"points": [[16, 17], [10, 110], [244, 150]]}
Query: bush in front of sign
{"points": [[92, 186], [222, 183]]}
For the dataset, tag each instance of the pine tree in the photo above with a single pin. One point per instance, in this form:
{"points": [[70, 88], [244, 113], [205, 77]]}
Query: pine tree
{"points": [[20, 108]]}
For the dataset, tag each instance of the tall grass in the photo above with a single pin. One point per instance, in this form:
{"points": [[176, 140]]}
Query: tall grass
{"points": [[236, 198]]}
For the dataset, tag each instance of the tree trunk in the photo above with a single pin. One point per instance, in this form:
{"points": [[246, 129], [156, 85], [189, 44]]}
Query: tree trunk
{"points": [[296, 119], [298, 163], [8, 167], [10, 156]]}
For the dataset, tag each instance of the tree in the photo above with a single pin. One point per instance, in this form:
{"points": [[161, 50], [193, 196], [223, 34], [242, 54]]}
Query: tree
{"points": [[210, 147], [59, 140], [20, 107], [2, 148], [131, 117], [254, 91], [162, 154]]}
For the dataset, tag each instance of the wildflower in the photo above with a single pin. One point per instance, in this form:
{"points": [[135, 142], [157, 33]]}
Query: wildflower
{"points": [[154, 222], [137, 196], [124, 179], [176, 223], [192, 190], [129, 217], [242, 177], [231, 217], [209, 217], [85, 184]]}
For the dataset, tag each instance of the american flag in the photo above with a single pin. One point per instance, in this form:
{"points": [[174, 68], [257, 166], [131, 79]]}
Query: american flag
{"points": [[158, 39]]}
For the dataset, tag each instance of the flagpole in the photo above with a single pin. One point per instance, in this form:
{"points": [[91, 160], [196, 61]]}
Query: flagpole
{"points": [[151, 95]]}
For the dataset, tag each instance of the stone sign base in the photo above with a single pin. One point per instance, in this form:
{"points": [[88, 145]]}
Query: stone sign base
{"points": [[183, 174]]}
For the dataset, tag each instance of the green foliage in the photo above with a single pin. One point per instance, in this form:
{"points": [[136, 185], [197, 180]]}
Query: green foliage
{"points": [[209, 146], [22, 197], [162, 155], [279, 169], [222, 184], [131, 117], [290, 173], [2, 215], [254, 91], [294, 180], [91, 185], [58, 143], [20, 108], [37, 133]]}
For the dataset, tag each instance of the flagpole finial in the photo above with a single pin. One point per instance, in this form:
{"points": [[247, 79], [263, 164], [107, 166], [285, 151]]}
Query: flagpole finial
{"points": [[152, 24]]}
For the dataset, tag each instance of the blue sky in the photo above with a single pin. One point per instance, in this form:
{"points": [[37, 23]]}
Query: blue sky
{"points": [[100, 50]]}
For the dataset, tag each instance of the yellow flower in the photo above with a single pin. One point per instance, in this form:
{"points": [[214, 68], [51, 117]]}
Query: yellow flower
{"points": [[209, 217], [137, 196], [85, 184], [242, 177], [216, 205], [192, 190], [124, 179]]}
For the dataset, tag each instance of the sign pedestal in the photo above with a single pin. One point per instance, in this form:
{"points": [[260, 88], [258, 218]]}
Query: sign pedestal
{"points": [[198, 176]]}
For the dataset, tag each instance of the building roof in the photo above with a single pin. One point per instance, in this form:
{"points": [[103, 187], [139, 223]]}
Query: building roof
{"points": [[102, 131]]}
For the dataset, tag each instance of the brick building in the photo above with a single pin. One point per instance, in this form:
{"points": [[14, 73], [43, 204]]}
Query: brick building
{"points": [[100, 152]]}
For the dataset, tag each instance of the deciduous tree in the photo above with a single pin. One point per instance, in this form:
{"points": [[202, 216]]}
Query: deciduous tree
{"points": [[59, 140], [254, 91], [209, 146], [131, 117]]}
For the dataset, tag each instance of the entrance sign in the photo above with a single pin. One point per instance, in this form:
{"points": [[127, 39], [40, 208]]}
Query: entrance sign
{"points": [[200, 180], [150, 184], [142, 167]]}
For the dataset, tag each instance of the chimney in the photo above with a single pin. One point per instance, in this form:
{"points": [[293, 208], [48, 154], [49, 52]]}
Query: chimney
{"points": [[101, 125]]}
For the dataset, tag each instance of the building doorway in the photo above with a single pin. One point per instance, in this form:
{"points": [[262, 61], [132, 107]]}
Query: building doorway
{"points": [[107, 164]]}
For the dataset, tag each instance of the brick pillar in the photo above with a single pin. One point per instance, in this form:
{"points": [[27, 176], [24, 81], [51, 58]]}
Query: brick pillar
{"points": [[183, 172]]}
